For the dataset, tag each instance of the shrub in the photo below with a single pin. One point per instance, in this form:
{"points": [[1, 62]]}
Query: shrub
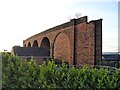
{"points": [[18, 73]]}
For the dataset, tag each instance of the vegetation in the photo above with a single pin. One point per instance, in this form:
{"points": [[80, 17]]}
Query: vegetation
{"points": [[18, 73]]}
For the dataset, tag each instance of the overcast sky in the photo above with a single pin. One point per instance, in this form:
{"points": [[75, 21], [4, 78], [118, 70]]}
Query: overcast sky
{"points": [[20, 19]]}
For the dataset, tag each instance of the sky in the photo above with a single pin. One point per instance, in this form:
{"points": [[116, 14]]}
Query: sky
{"points": [[20, 19]]}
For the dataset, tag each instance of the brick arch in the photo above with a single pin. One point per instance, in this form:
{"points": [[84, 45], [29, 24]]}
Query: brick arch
{"points": [[45, 43], [61, 47], [29, 44], [35, 43], [25, 45]]}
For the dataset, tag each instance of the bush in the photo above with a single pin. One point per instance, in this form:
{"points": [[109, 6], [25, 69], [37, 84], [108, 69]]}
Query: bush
{"points": [[18, 73]]}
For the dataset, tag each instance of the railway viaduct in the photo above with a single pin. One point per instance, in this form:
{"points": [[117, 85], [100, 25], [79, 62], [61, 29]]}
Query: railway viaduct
{"points": [[78, 41]]}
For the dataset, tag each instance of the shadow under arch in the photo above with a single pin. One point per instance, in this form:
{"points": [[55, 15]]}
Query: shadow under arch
{"points": [[29, 44], [25, 45], [35, 43], [45, 43]]}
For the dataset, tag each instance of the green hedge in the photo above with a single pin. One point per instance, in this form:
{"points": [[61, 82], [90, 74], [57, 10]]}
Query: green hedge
{"points": [[18, 73]]}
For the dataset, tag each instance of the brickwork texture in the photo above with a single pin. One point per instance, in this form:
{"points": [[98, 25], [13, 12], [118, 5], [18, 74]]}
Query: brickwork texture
{"points": [[78, 42]]}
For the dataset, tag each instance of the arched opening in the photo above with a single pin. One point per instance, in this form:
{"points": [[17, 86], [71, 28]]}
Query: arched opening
{"points": [[35, 43], [61, 48], [25, 45], [29, 44], [45, 43]]}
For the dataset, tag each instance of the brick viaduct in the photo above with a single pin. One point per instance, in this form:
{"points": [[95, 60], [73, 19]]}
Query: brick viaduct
{"points": [[78, 42]]}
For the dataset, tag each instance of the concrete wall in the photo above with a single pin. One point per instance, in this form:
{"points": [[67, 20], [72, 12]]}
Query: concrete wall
{"points": [[38, 59]]}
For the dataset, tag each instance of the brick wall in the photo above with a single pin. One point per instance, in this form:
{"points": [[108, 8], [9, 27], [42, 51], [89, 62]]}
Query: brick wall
{"points": [[85, 44], [77, 42]]}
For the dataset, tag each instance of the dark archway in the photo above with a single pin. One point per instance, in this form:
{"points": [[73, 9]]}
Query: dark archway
{"points": [[29, 44], [35, 43], [45, 43], [25, 45]]}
